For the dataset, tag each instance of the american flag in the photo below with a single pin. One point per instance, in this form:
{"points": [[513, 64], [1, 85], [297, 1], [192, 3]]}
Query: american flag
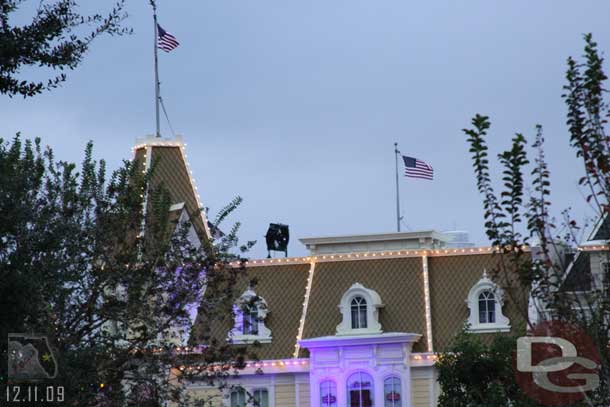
{"points": [[415, 168], [165, 40]]}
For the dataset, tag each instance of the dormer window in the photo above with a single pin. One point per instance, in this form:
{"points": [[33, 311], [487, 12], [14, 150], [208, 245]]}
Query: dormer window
{"points": [[250, 311], [360, 309], [250, 320], [358, 313], [487, 308], [485, 301]]}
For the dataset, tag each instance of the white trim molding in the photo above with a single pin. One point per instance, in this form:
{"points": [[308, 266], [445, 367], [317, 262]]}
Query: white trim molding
{"points": [[236, 335], [501, 323], [373, 303]]}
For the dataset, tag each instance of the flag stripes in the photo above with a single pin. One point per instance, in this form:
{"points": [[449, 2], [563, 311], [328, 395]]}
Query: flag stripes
{"points": [[415, 168], [165, 40]]}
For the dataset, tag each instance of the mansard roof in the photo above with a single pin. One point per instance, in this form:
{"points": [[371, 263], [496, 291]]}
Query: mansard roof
{"points": [[397, 276]]}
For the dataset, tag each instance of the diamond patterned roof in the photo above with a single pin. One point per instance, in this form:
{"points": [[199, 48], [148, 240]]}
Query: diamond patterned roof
{"points": [[451, 278], [398, 281], [283, 288]]}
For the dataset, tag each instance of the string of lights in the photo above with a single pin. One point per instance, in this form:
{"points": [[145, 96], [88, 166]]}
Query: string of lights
{"points": [[297, 347]]}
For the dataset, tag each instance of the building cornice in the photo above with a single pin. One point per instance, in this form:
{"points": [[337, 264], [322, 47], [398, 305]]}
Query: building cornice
{"points": [[388, 254], [354, 340]]}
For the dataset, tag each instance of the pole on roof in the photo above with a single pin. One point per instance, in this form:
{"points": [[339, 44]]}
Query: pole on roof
{"points": [[396, 154], [157, 86]]}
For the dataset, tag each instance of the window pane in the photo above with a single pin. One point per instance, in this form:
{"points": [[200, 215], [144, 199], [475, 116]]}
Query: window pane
{"points": [[238, 398], [261, 397], [487, 308], [328, 394], [391, 392], [250, 325], [355, 320], [491, 311], [358, 308], [360, 390], [482, 311], [363, 322]]}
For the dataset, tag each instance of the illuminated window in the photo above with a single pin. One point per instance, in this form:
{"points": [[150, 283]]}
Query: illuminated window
{"points": [[487, 308], [391, 392], [238, 397], [358, 313], [360, 390], [261, 398], [328, 394]]}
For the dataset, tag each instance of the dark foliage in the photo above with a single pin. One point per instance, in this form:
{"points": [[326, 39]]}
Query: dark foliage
{"points": [[57, 38]]}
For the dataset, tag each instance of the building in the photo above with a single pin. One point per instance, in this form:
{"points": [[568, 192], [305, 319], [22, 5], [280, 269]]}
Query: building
{"points": [[358, 321]]}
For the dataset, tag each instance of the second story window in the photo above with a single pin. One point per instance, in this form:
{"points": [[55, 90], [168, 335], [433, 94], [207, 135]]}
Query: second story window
{"points": [[360, 311], [250, 320], [359, 319], [487, 308], [485, 301], [250, 311]]}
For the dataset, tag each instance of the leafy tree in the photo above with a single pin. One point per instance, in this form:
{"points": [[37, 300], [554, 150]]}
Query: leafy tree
{"points": [[514, 221], [475, 374], [74, 267], [57, 38]]}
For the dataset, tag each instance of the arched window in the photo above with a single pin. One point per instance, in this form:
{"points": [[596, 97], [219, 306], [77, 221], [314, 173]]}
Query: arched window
{"points": [[261, 398], [250, 312], [487, 308], [391, 392], [485, 301], [328, 394], [250, 323], [358, 307], [238, 397], [360, 390]]}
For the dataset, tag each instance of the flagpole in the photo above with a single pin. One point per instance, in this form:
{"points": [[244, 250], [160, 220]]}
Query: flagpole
{"points": [[396, 153], [157, 90]]}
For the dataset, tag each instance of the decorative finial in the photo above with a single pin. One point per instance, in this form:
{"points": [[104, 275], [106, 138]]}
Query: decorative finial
{"points": [[485, 273]]}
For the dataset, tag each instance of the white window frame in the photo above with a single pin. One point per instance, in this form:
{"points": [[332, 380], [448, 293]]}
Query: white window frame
{"points": [[333, 382], [373, 303], [372, 391], [502, 323], [236, 335], [238, 389], [400, 402]]}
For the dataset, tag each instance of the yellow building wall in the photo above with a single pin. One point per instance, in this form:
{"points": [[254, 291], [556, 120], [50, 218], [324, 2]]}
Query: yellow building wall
{"points": [[420, 392], [209, 397], [285, 395], [303, 395]]}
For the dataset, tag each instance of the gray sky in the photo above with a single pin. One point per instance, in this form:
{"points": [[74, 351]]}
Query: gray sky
{"points": [[295, 105]]}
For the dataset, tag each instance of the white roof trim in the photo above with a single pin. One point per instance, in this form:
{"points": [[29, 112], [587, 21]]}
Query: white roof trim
{"points": [[389, 337], [373, 237], [151, 141]]}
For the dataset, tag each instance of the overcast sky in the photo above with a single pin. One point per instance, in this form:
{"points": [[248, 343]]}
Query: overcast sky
{"points": [[295, 105]]}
